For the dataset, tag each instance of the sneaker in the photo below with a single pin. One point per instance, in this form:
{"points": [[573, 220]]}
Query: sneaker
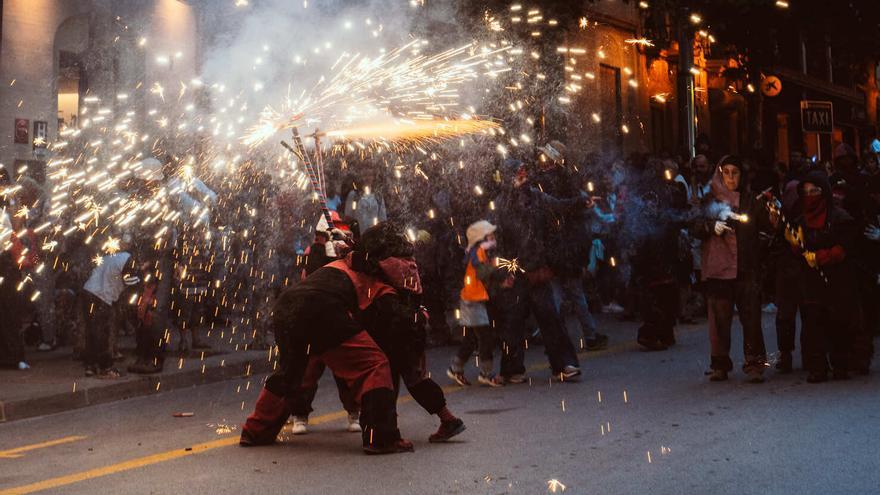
{"points": [[447, 430], [718, 376], [108, 374], [569, 373], [612, 308], [45, 347], [90, 371], [300, 425], [490, 380], [457, 377], [23, 366], [517, 379], [597, 343], [354, 423], [755, 376], [397, 447]]}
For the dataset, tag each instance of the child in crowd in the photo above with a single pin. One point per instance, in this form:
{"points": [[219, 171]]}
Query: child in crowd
{"points": [[479, 333]]}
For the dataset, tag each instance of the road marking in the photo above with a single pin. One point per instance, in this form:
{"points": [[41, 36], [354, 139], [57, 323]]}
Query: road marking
{"points": [[223, 442], [17, 452]]}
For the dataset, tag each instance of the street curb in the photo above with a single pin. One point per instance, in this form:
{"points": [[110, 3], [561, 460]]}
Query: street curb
{"points": [[146, 385]]}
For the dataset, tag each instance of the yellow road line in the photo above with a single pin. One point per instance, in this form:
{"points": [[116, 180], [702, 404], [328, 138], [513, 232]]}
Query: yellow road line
{"points": [[215, 444], [16, 452]]}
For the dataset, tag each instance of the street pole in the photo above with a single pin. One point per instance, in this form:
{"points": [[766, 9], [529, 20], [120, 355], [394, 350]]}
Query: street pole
{"points": [[687, 112]]}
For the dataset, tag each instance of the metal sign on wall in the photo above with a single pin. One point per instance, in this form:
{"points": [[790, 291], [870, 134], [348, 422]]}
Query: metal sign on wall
{"points": [[22, 134], [817, 116]]}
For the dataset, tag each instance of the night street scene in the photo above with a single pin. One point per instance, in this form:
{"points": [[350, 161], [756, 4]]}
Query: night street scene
{"points": [[439, 246]]}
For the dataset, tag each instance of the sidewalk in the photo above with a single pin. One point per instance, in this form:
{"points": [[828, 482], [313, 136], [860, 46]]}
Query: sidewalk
{"points": [[56, 382]]}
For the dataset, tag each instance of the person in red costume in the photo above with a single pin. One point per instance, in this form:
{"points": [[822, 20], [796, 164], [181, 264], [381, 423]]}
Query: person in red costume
{"points": [[823, 235], [315, 320]]}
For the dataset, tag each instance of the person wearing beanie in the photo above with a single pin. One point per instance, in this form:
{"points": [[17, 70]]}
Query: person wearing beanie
{"points": [[730, 226], [314, 320], [823, 236], [478, 333]]}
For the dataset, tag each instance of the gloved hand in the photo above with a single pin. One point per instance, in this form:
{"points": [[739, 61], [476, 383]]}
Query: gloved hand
{"points": [[794, 238], [810, 256], [721, 228], [130, 280]]}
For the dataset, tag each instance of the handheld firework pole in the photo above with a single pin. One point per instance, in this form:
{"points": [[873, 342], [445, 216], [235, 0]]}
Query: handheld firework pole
{"points": [[315, 170], [775, 206]]}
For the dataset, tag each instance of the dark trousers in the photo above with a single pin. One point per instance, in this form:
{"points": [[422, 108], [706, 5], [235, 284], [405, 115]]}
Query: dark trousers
{"points": [[866, 327], [512, 307], [826, 333], [722, 295], [99, 325], [789, 298], [481, 339], [659, 312]]}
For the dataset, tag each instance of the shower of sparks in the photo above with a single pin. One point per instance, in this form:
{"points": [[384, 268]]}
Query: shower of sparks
{"points": [[402, 83], [555, 485], [639, 41], [512, 266]]}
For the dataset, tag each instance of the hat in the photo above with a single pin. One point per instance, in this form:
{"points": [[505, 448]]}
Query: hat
{"points": [[554, 150], [337, 223], [148, 169], [478, 231], [842, 150], [384, 240], [731, 160]]}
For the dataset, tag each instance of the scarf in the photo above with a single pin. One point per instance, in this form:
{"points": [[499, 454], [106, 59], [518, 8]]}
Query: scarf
{"points": [[815, 211]]}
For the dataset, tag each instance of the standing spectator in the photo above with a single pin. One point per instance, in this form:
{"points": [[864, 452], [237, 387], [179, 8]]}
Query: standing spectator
{"points": [[569, 234], [102, 290], [831, 305], [523, 238], [365, 204], [11, 345], [730, 266], [789, 285]]}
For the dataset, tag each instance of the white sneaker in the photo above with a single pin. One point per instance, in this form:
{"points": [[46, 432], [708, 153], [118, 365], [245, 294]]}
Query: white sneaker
{"points": [[300, 426], [569, 373], [613, 308], [23, 366], [354, 423]]}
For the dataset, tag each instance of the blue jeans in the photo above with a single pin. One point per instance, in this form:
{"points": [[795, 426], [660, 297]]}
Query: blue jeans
{"points": [[571, 290]]}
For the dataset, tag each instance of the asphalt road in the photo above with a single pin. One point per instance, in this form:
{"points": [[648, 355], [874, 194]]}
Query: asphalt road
{"points": [[637, 423]]}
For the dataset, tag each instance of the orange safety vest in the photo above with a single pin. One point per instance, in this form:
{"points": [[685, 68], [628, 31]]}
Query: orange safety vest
{"points": [[473, 289]]}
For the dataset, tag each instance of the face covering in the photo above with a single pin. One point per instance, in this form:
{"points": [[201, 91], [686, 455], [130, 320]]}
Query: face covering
{"points": [[815, 211], [402, 273]]}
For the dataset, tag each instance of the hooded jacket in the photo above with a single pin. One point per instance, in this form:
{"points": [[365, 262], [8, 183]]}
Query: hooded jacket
{"points": [[829, 232]]}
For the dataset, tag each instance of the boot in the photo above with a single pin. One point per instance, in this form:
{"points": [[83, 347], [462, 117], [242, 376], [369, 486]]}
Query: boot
{"points": [[379, 422], [264, 424]]}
